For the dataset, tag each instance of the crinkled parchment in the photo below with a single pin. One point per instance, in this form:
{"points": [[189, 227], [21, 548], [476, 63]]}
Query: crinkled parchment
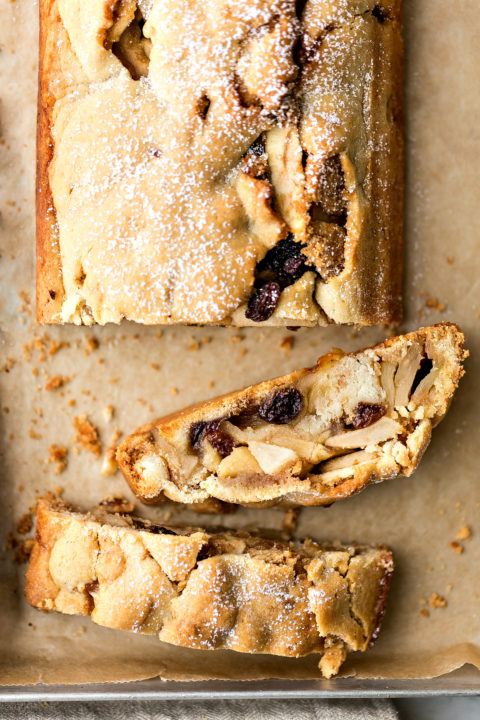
{"points": [[141, 374]]}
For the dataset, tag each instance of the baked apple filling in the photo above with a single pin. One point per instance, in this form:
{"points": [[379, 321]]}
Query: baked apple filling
{"points": [[309, 438]]}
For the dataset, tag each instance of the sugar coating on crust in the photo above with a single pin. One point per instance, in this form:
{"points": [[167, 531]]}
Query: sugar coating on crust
{"points": [[209, 590], [309, 438], [190, 137]]}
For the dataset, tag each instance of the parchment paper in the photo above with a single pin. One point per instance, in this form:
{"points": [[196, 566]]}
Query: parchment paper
{"points": [[418, 517]]}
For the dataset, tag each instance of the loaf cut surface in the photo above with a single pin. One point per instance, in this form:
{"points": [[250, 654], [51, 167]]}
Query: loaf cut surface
{"points": [[209, 590], [219, 162], [308, 438]]}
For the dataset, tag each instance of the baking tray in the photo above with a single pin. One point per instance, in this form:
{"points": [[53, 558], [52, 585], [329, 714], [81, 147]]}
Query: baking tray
{"points": [[420, 259], [465, 681]]}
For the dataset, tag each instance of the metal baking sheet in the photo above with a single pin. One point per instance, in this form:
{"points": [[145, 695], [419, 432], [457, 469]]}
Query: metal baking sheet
{"points": [[442, 135], [465, 681]]}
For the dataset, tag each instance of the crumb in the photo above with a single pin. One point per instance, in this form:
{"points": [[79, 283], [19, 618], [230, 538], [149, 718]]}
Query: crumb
{"points": [[433, 304], [91, 345], [54, 347], [235, 339], [109, 463], [58, 455], [34, 435], [23, 552], [449, 259], [290, 519], [437, 601], [108, 413], [463, 533], [117, 504], [243, 351], [55, 382], [86, 435], [174, 390], [194, 346], [154, 366], [441, 512], [207, 340], [287, 342], [72, 402], [449, 587], [8, 364], [457, 547], [159, 334], [25, 524], [210, 383], [424, 612]]}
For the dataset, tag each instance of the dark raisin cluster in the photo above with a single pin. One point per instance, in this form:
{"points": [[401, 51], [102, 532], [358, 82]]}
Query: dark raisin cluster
{"points": [[281, 406], [281, 266], [221, 441], [366, 414]]}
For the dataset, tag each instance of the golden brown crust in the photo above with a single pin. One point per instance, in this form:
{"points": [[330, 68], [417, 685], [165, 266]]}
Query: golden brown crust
{"points": [[209, 590], [50, 290], [381, 403], [353, 52]]}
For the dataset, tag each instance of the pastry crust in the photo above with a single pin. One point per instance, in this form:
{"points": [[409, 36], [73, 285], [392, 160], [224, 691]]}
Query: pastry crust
{"points": [[308, 438], [175, 192], [209, 590]]}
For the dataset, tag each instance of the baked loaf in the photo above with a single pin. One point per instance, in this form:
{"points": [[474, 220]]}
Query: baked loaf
{"points": [[308, 438], [222, 590], [219, 162]]}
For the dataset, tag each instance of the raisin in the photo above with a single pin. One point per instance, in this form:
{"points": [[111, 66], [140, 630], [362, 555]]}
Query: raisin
{"points": [[221, 441], [263, 302], [292, 265], [285, 260], [196, 433], [381, 14], [366, 414], [281, 406], [426, 366]]}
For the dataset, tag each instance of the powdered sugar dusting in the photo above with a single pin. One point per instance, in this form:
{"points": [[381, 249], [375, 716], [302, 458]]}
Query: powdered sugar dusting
{"points": [[151, 225]]}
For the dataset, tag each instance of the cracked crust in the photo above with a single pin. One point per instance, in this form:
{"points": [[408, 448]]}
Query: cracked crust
{"points": [[209, 590], [163, 219], [355, 419]]}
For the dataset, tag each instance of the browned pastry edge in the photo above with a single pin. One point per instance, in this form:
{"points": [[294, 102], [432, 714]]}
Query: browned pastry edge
{"points": [[143, 440], [203, 589], [49, 283]]}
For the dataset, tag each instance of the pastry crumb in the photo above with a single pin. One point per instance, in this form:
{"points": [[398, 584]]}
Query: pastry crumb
{"points": [[290, 520], [287, 342], [109, 463], [91, 344], [464, 533], [424, 612], [86, 435], [434, 304], [457, 547], [24, 524], [437, 601], [107, 413], [55, 382], [117, 504], [58, 455]]}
